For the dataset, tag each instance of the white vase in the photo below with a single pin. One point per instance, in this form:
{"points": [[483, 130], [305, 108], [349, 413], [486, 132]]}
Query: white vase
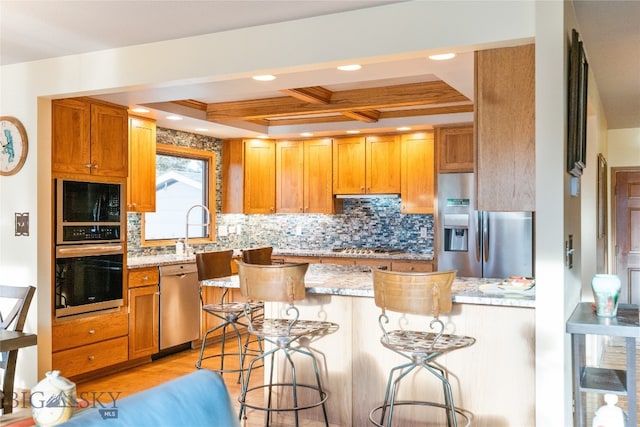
{"points": [[606, 290]]}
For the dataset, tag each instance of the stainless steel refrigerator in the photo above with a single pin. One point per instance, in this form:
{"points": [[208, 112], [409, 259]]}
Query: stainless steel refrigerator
{"points": [[477, 243]]}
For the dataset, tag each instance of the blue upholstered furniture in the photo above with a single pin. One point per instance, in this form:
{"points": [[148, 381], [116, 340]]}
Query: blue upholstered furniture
{"points": [[196, 399]]}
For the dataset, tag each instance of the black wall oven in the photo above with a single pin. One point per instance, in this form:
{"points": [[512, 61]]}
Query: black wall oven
{"points": [[90, 251]]}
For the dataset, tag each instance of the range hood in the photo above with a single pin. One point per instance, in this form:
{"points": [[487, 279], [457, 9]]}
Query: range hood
{"points": [[367, 196]]}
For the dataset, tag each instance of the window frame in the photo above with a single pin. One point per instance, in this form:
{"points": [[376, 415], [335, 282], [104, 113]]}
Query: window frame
{"points": [[210, 193]]}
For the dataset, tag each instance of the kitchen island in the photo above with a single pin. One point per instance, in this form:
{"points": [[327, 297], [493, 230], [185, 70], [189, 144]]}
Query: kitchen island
{"points": [[494, 379]]}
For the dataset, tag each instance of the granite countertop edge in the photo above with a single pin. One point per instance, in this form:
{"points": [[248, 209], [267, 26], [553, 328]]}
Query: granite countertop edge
{"points": [[144, 261]]}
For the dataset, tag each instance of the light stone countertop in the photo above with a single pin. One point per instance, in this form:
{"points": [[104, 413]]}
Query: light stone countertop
{"points": [[158, 260], [347, 280]]}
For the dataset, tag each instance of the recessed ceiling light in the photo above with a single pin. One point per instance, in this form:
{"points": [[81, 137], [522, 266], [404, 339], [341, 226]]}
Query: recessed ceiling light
{"points": [[306, 134], [351, 67], [140, 110], [403, 128], [264, 78], [263, 136], [174, 118], [442, 56], [353, 131]]}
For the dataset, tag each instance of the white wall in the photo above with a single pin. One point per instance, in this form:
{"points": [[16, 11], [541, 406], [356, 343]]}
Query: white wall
{"points": [[409, 28], [624, 147]]}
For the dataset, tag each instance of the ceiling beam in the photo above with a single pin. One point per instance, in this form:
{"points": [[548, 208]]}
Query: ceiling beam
{"points": [[414, 94], [313, 95], [337, 118], [370, 116]]}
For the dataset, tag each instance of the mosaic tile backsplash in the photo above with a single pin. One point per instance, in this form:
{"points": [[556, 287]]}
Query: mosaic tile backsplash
{"points": [[371, 222]]}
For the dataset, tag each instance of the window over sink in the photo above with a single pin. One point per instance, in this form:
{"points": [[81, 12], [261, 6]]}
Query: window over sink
{"points": [[185, 177]]}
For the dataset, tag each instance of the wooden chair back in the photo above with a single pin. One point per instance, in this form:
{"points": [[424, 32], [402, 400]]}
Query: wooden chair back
{"points": [[413, 293], [261, 256], [211, 265], [12, 320], [278, 282]]}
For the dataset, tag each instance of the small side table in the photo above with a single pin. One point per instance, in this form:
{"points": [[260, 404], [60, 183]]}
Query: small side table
{"points": [[584, 321]]}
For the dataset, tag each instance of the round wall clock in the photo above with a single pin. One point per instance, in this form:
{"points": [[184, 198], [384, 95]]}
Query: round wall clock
{"points": [[13, 145]]}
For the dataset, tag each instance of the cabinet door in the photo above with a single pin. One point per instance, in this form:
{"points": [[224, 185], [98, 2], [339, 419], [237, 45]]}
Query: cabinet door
{"points": [[349, 165], [383, 164], [455, 149], [289, 177], [505, 129], [109, 141], [418, 174], [143, 321], [259, 176], [141, 188], [71, 142], [318, 194]]}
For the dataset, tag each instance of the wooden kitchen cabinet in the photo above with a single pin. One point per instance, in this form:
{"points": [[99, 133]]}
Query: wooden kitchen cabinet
{"points": [[303, 180], [454, 149], [89, 137], [418, 191], [89, 343], [412, 266], [144, 315], [505, 129], [141, 183], [248, 176], [366, 165]]}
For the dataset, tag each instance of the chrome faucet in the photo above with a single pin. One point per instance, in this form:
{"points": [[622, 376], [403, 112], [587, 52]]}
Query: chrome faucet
{"points": [[188, 250]]}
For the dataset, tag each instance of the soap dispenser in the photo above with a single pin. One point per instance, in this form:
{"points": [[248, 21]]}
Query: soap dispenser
{"points": [[609, 415]]}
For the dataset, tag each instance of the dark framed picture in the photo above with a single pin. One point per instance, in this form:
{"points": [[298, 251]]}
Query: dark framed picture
{"points": [[577, 108]]}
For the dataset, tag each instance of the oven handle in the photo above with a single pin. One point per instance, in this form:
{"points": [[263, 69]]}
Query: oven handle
{"points": [[88, 250]]}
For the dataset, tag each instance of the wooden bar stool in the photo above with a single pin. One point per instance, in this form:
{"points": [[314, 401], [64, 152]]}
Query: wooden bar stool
{"points": [[261, 256], [425, 294], [211, 265], [288, 335]]}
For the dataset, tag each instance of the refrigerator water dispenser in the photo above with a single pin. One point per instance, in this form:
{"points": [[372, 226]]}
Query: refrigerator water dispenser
{"points": [[456, 232]]}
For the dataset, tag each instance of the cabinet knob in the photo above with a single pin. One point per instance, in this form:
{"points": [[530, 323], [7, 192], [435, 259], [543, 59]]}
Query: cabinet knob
{"points": [[95, 166], [145, 277], [88, 165], [90, 357], [362, 188], [301, 209], [92, 331]]}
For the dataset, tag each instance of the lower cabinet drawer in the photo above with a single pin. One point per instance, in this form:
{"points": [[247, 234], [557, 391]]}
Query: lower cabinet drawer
{"points": [[91, 357], [78, 332]]}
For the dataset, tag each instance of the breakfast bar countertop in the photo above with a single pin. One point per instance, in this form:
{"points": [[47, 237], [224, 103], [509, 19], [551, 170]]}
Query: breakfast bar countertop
{"points": [[356, 280]]}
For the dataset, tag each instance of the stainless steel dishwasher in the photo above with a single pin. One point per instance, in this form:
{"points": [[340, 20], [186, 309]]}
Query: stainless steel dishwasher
{"points": [[179, 305]]}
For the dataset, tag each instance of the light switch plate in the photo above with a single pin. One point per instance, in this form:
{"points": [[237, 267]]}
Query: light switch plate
{"points": [[22, 224]]}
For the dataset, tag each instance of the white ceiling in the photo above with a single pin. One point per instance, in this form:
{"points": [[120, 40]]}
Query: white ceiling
{"points": [[33, 30]]}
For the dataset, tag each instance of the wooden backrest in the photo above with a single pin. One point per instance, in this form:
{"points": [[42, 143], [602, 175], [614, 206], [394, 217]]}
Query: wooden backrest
{"points": [[15, 318], [413, 293], [261, 256], [215, 264], [278, 282]]}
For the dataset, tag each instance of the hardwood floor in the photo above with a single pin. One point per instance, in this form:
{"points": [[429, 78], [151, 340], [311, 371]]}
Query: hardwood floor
{"points": [[175, 365]]}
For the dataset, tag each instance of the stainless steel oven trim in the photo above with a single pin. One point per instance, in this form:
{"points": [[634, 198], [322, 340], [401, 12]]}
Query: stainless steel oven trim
{"points": [[89, 250], [87, 309]]}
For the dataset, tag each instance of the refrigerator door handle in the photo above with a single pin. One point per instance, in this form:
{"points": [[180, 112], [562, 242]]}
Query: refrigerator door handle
{"points": [[478, 239], [485, 236]]}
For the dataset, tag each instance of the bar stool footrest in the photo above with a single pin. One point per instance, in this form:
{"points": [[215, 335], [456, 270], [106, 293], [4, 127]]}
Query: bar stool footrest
{"points": [[323, 398], [463, 413]]}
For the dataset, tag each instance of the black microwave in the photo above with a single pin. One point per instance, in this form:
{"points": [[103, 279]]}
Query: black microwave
{"points": [[89, 212]]}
